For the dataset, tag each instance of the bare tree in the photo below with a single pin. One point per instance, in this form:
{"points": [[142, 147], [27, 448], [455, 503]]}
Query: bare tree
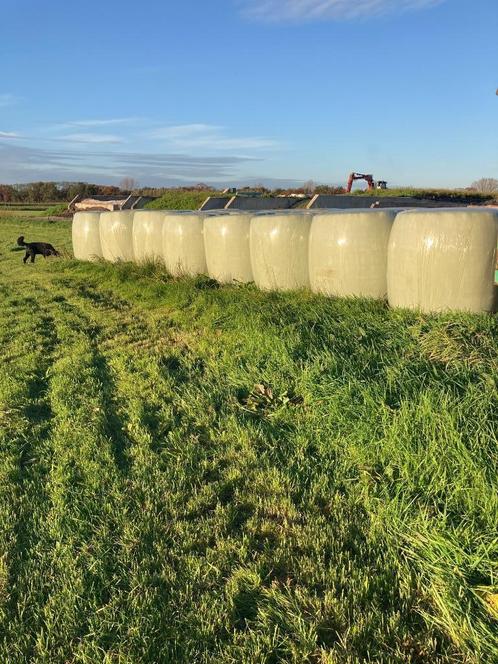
{"points": [[128, 184], [486, 185], [309, 187]]}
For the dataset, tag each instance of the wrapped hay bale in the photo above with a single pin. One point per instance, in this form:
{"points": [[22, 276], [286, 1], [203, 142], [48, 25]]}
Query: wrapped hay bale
{"points": [[440, 260], [226, 239], [279, 250], [183, 243], [147, 235], [348, 252], [86, 236], [116, 235]]}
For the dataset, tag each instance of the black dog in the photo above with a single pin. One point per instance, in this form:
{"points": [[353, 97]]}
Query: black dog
{"points": [[32, 248]]}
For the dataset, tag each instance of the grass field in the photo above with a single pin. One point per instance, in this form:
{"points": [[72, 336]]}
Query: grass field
{"points": [[199, 474], [32, 211]]}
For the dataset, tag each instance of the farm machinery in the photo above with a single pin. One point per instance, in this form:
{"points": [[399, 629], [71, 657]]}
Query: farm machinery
{"points": [[380, 184]]}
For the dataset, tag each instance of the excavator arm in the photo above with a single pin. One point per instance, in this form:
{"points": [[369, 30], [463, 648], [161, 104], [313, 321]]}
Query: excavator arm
{"points": [[360, 176]]}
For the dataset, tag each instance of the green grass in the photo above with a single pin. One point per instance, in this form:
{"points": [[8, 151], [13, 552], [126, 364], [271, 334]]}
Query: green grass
{"points": [[199, 474], [38, 211], [451, 195], [180, 199], [17, 206], [6, 214]]}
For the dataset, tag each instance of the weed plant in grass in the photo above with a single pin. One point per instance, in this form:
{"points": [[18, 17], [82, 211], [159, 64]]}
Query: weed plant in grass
{"points": [[195, 473], [56, 210]]}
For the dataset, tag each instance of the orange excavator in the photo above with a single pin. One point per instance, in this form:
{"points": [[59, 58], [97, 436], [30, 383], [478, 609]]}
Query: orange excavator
{"points": [[381, 184]]}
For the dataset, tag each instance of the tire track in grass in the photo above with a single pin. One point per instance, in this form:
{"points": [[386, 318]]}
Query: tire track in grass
{"points": [[27, 346], [125, 335], [52, 586], [137, 352], [151, 551], [84, 492], [127, 345], [78, 619]]}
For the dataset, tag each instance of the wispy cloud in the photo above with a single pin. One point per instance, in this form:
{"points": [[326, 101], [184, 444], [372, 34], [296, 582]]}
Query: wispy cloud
{"points": [[91, 138], [205, 136], [157, 155], [310, 10], [7, 99], [25, 164], [105, 122]]}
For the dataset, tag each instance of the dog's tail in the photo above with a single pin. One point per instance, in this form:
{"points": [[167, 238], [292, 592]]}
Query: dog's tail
{"points": [[20, 241]]}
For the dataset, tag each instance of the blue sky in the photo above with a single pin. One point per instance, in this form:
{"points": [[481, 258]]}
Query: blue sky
{"points": [[244, 91]]}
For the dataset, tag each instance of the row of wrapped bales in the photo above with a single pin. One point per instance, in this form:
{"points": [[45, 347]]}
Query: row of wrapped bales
{"points": [[421, 259]]}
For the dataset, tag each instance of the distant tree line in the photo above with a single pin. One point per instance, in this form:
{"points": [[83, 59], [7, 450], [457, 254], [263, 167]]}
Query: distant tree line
{"points": [[52, 192], [55, 192]]}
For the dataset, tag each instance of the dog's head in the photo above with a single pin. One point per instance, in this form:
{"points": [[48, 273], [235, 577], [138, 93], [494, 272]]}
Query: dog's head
{"points": [[20, 240]]}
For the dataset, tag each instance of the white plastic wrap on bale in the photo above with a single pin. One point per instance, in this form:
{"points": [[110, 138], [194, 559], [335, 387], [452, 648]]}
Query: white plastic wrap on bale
{"points": [[279, 250], [348, 252], [183, 243], [226, 239], [86, 236], [116, 235], [442, 260], [148, 235]]}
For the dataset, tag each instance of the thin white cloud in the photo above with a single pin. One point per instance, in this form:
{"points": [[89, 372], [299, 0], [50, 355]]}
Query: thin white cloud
{"points": [[90, 124], [186, 131], [200, 137], [25, 164], [91, 138], [311, 10], [7, 99], [210, 137], [157, 154], [100, 122]]}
